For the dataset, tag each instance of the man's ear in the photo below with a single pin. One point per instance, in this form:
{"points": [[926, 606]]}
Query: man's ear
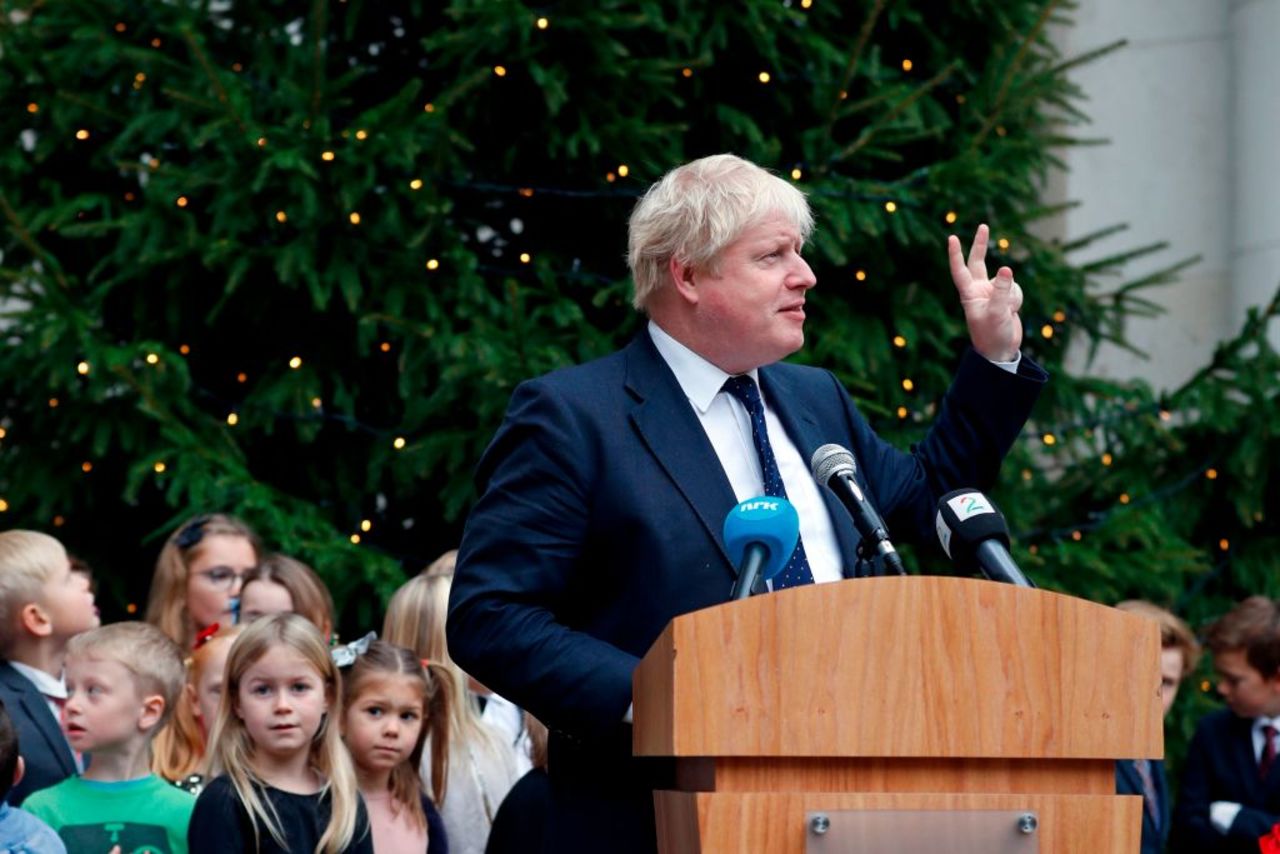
{"points": [[152, 711], [35, 621], [684, 280], [19, 771]]}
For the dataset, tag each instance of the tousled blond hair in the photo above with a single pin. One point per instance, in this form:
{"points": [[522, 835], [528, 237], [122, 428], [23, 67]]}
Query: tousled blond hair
{"points": [[153, 660], [167, 603], [232, 751], [698, 209], [1174, 632], [28, 559]]}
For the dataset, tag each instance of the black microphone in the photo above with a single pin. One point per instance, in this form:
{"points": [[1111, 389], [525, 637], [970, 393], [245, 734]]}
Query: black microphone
{"points": [[833, 467], [971, 530]]}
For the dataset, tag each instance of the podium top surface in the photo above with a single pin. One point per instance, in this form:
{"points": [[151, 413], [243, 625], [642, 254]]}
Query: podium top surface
{"points": [[903, 667]]}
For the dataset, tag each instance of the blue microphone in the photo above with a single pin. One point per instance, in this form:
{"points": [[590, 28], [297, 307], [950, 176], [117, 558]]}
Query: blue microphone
{"points": [[760, 534]]}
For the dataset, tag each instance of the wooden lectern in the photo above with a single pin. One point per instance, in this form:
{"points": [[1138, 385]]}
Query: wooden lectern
{"points": [[900, 693]]}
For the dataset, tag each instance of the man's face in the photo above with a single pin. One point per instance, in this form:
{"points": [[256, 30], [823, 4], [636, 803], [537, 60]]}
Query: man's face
{"points": [[1247, 692], [68, 602], [750, 311]]}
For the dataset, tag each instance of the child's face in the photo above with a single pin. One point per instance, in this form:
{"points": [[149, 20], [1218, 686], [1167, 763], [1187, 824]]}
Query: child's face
{"points": [[1246, 690], [1170, 675], [213, 578], [261, 598], [282, 701], [103, 708], [382, 723], [209, 685], [68, 603]]}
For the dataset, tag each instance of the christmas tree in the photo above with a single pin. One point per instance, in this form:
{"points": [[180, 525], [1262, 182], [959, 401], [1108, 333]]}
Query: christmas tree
{"points": [[289, 260]]}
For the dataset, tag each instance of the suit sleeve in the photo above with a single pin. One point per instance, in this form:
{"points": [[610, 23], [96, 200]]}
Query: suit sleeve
{"points": [[523, 543], [1192, 831], [978, 421]]}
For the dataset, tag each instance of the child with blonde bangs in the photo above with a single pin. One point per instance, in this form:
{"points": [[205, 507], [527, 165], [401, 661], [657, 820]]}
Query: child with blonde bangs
{"points": [[198, 576], [390, 703], [180, 746], [280, 583], [482, 759], [283, 779]]}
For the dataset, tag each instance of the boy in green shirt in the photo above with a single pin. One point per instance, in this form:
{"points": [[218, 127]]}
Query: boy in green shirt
{"points": [[122, 682]]}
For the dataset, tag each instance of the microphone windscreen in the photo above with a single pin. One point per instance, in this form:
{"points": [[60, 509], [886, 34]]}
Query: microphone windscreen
{"points": [[768, 520], [829, 460], [966, 518]]}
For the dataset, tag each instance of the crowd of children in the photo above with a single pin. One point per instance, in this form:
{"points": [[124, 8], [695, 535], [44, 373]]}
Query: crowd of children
{"points": [[231, 720]]}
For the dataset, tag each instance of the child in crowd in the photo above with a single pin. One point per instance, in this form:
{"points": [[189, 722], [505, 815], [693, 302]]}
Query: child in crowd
{"points": [[1179, 653], [388, 702], [279, 584], [43, 604], [1230, 795], [198, 575], [122, 682], [483, 763], [180, 746], [286, 782], [20, 831]]}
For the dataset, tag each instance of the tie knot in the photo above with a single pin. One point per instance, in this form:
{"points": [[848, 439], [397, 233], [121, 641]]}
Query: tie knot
{"points": [[744, 389]]}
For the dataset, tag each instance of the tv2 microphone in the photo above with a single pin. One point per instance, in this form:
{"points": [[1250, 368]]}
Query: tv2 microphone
{"points": [[834, 467], [760, 534], [971, 530]]}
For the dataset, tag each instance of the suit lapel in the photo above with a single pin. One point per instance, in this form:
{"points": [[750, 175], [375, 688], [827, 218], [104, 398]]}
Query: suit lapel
{"points": [[789, 404], [670, 429], [37, 711]]}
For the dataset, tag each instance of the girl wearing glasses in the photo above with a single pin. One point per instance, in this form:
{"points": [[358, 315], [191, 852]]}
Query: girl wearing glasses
{"points": [[198, 575]]}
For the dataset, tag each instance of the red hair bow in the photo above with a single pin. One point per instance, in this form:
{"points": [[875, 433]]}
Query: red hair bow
{"points": [[202, 636]]}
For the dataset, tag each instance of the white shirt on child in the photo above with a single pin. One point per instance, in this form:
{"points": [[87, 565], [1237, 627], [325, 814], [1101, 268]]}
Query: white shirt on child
{"points": [[1222, 814]]}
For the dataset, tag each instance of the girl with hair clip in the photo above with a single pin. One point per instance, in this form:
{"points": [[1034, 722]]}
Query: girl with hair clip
{"points": [[482, 764], [198, 575], [283, 781], [391, 701], [178, 751], [280, 583]]}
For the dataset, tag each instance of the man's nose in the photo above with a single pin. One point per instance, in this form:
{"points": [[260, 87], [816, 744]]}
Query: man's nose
{"points": [[802, 275]]}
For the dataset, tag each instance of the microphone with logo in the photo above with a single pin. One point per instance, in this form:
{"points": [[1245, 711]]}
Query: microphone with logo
{"points": [[760, 534], [972, 530], [833, 466]]}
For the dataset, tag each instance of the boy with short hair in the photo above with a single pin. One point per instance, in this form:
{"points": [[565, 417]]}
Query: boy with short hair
{"points": [[20, 831], [1179, 654], [122, 682], [43, 604], [1230, 793]]}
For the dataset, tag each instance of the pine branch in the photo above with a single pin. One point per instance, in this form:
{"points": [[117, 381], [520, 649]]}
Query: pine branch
{"points": [[1014, 67]]}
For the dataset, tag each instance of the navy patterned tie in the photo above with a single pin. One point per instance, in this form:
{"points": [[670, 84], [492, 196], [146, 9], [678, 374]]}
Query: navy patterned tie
{"points": [[744, 389]]}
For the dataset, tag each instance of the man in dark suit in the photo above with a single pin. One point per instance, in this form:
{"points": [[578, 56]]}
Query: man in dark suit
{"points": [[1230, 794], [603, 494]]}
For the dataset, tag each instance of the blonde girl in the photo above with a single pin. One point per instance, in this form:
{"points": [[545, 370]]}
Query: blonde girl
{"points": [[390, 704], [482, 762], [179, 748], [280, 583], [198, 574], [282, 779]]}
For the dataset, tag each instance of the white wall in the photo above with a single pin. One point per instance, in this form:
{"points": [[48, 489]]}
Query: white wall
{"points": [[1192, 109]]}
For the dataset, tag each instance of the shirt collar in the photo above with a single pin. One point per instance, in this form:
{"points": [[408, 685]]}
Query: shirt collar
{"points": [[1260, 722], [700, 380], [48, 685]]}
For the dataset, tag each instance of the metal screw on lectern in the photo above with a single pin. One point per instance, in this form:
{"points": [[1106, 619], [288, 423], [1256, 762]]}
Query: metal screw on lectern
{"points": [[1027, 822], [819, 824]]}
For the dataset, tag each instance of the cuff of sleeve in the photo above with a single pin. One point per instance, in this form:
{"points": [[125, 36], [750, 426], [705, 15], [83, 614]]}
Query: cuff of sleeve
{"points": [[626, 719], [1011, 367], [1222, 814]]}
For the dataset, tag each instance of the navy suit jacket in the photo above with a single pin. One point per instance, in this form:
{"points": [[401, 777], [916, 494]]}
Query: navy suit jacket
{"points": [[1221, 766], [600, 514], [41, 743], [1128, 782]]}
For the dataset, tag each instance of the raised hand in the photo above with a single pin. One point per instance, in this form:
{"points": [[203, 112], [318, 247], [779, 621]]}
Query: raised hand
{"points": [[990, 305]]}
